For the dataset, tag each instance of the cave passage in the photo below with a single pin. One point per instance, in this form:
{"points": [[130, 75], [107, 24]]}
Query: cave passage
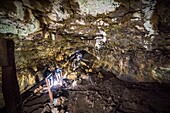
{"points": [[114, 56], [95, 90], [100, 91]]}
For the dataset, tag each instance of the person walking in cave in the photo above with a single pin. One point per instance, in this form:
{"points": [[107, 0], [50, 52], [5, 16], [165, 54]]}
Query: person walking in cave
{"points": [[48, 81], [58, 75], [77, 57]]}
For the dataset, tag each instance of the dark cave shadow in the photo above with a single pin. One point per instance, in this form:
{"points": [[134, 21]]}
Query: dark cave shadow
{"points": [[41, 103], [37, 109], [35, 97], [165, 87], [2, 110]]}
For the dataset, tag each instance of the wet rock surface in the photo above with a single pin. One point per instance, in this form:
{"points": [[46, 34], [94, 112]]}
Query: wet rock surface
{"points": [[107, 95]]}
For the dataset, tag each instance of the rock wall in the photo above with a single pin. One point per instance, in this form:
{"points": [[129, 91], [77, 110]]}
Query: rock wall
{"points": [[129, 38]]}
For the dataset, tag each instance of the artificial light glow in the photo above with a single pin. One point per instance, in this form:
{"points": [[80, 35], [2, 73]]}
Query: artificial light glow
{"points": [[55, 82]]}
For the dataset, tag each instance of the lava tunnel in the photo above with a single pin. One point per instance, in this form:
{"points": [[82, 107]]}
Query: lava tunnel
{"points": [[84, 56]]}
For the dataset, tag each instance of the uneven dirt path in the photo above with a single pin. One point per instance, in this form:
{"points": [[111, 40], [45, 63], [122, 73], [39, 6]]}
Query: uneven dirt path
{"points": [[109, 95]]}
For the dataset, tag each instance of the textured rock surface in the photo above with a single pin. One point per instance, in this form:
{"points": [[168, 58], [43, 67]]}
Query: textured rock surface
{"points": [[129, 38], [97, 6]]}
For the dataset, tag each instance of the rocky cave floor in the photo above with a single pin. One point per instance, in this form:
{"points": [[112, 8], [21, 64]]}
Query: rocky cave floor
{"points": [[106, 95]]}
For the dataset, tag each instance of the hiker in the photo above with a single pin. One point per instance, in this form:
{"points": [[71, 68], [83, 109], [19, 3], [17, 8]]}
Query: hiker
{"points": [[48, 81], [58, 74], [76, 58]]}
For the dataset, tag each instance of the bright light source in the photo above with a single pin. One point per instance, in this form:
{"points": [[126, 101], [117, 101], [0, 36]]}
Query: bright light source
{"points": [[55, 82]]}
